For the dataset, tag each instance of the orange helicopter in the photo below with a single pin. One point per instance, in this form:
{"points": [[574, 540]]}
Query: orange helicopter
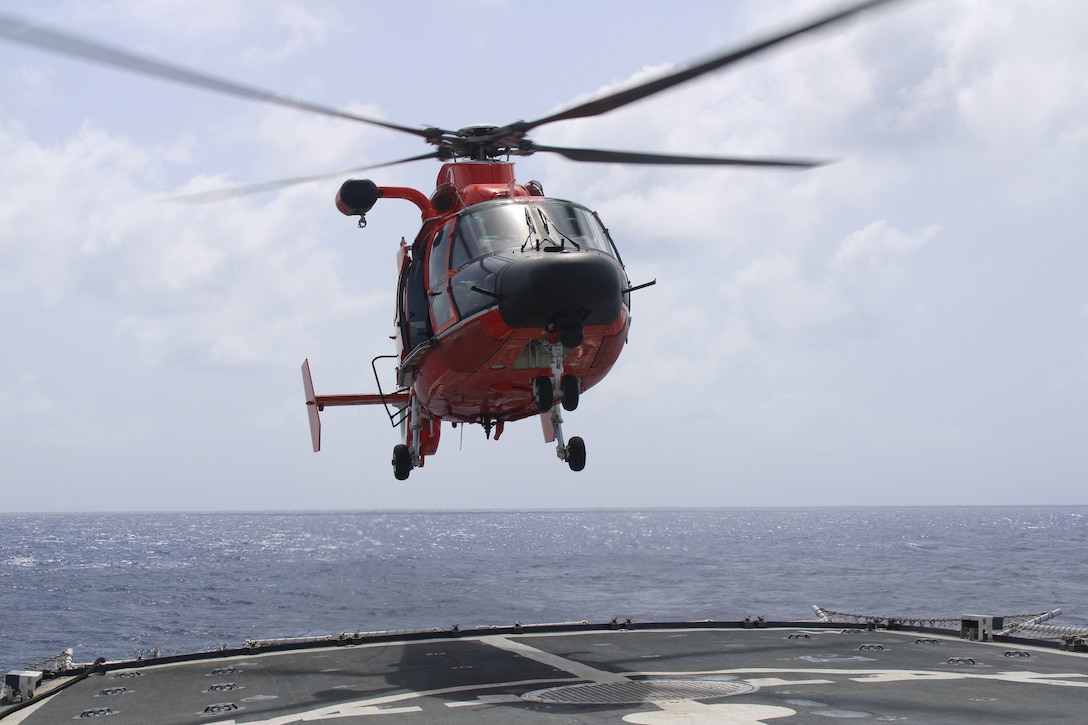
{"points": [[509, 303]]}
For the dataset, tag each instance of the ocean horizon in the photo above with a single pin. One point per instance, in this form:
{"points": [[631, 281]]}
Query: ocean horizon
{"points": [[124, 585]]}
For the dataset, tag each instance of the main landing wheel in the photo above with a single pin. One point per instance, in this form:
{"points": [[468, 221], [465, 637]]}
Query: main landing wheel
{"points": [[402, 461], [570, 388], [576, 453], [543, 393]]}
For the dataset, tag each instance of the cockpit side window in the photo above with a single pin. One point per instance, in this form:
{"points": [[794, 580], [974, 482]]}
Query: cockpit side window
{"points": [[436, 264], [461, 249], [437, 274]]}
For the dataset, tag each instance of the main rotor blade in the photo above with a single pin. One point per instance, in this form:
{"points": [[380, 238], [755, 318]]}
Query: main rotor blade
{"points": [[59, 42], [622, 98], [230, 192], [640, 157]]}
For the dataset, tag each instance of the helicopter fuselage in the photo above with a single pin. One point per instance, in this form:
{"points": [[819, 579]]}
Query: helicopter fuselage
{"points": [[501, 287]]}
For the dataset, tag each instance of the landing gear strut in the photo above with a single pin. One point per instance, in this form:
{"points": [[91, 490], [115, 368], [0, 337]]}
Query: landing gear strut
{"points": [[570, 388], [572, 451], [406, 458]]}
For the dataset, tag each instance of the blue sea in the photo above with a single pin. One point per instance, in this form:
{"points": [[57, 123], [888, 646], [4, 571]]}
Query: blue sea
{"points": [[121, 585]]}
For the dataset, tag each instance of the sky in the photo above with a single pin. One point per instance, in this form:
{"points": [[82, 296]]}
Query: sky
{"points": [[905, 326]]}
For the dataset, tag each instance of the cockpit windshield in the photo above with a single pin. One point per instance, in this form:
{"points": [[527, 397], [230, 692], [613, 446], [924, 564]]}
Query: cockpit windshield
{"points": [[548, 225], [569, 224]]}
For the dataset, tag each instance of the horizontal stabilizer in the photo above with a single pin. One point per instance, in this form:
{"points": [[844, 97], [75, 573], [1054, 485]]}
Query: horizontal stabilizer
{"points": [[316, 403]]}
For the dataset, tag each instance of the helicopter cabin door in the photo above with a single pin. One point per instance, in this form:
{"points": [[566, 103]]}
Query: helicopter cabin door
{"points": [[438, 287], [415, 317]]}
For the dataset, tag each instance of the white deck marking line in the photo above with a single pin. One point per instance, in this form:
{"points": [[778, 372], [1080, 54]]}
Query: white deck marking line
{"points": [[578, 669], [1062, 679], [689, 712], [371, 706], [762, 682], [486, 700]]}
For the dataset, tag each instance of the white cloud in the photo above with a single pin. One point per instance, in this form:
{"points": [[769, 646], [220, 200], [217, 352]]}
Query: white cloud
{"points": [[53, 198], [304, 144], [875, 251], [52, 423], [233, 282], [258, 33]]}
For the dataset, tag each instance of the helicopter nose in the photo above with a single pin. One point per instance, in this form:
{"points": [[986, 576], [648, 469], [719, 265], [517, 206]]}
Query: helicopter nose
{"points": [[564, 290]]}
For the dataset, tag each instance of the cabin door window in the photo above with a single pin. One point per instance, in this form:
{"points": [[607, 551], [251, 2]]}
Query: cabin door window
{"points": [[438, 280], [416, 325]]}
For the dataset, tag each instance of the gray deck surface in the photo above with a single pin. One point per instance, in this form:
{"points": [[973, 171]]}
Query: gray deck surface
{"points": [[789, 675]]}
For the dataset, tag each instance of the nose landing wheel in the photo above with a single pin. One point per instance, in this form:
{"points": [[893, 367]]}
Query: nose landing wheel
{"points": [[544, 393], [569, 390]]}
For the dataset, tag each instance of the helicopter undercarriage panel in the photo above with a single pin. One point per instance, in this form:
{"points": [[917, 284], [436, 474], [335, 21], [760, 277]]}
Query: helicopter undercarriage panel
{"points": [[495, 380], [469, 346]]}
